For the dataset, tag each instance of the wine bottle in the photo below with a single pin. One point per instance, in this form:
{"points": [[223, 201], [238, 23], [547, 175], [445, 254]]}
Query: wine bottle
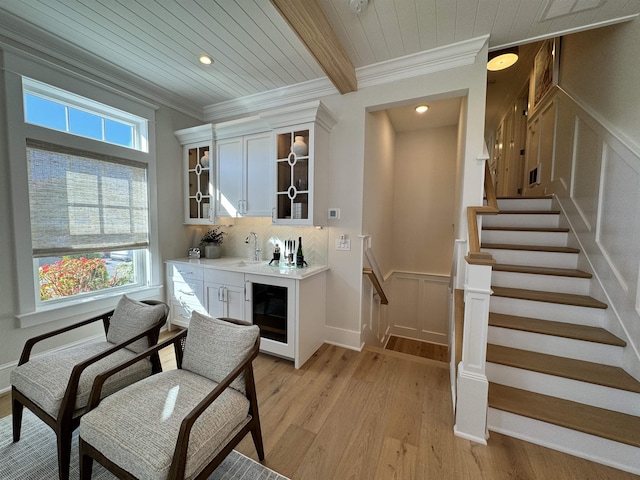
{"points": [[299, 254]]}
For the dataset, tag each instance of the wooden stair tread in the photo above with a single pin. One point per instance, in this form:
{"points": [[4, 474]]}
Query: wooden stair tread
{"points": [[558, 272], [616, 426], [533, 248], [558, 329], [549, 297], [527, 229], [596, 373]]}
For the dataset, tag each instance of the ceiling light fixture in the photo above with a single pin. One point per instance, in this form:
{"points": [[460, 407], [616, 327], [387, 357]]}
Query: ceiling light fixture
{"points": [[422, 108], [501, 59], [357, 6], [205, 59]]}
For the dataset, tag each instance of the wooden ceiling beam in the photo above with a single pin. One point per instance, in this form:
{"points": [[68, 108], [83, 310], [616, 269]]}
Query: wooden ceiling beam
{"points": [[308, 21]]}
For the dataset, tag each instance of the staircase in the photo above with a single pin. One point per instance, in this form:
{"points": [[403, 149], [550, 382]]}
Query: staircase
{"points": [[553, 370]]}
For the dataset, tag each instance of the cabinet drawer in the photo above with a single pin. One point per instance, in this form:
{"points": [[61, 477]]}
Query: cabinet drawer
{"points": [[179, 272], [181, 314], [223, 277], [189, 293]]}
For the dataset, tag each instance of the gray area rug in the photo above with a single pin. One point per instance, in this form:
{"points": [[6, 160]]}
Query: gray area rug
{"points": [[34, 457]]}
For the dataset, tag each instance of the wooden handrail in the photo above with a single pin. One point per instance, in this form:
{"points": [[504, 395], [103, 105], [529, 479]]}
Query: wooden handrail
{"points": [[475, 256], [376, 284]]}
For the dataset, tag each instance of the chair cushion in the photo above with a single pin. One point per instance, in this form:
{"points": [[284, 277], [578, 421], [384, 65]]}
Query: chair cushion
{"points": [[44, 378], [215, 347], [137, 428], [130, 318]]}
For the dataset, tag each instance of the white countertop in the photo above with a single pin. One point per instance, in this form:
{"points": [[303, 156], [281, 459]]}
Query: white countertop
{"points": [[243, 265]]}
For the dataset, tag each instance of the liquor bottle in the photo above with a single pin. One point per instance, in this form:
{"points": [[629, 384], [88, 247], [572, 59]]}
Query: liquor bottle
{"points": [[299, 254]]}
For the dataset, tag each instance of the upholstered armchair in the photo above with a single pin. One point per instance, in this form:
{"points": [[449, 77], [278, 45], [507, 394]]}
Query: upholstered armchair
{"points": [[180, 423], [56, 386]]}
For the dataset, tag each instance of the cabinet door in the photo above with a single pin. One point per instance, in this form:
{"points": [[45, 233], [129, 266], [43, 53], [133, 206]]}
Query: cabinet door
{"points": [[229, 177], [294, 176], [225, 300], [198, 183], [258, 186]]}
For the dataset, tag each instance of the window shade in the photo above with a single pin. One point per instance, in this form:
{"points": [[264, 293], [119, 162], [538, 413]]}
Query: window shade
{"points": [[85, 202]]}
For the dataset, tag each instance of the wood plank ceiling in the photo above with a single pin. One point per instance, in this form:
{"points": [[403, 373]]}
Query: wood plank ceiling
{"points": [[153, 45]]}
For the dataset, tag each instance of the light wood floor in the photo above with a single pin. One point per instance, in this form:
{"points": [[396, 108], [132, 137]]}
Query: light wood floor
{"points": [[416, 347], [379, 414]]}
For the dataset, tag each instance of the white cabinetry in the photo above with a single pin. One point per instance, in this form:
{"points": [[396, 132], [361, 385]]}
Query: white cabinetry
{"points": [[198, 171], [301, 163], [186, 293], [243, 173], [225, 294]]}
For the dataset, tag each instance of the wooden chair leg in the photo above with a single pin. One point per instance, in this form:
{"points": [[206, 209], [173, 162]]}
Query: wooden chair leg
{"points": [[64, 453], [16, 416], [86, 463], [256, 433]]}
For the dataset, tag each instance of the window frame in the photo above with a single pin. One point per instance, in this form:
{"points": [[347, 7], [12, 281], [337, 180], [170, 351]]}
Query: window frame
{"points": [[71, 100], [16, 67]]}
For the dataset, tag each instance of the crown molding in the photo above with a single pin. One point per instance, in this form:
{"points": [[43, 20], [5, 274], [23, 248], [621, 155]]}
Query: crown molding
{"points": [[239, 107], [421, 63]]}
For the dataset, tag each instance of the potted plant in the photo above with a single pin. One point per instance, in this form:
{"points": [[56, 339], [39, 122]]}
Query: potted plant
{"points": [[211, 242]]}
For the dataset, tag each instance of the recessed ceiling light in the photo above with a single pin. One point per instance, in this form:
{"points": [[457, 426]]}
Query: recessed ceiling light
{"points": [[205, 59], [422, 108]]}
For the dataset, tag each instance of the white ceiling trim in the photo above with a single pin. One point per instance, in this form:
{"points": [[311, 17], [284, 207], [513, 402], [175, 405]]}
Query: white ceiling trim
{"points": [[421, 63], [568, 31], [239, 107], [48, 48]]}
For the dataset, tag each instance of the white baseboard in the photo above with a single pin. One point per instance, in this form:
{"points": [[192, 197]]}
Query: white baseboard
{"points": [[343, 338]]}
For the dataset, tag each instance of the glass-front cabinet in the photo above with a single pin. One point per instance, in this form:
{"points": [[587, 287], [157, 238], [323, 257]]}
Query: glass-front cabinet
{"points": [[294, 178], [199, 174], [199, 184]]}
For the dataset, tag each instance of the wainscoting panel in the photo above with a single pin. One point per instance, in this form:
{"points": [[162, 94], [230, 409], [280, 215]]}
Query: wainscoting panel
{"points": [[620, 186], [602, 205], [420, 306], [586, 165]]}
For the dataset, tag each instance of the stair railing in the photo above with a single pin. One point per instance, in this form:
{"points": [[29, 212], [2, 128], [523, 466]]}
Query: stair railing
{"points": [[375, 275], [472, 385]]}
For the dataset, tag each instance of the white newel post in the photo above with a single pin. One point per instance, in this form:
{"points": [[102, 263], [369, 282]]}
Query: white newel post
{"points": [[473, 387]]}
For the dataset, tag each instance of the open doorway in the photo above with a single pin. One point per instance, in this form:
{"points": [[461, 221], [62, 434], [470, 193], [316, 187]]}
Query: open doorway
{"points": [[410, 178]]}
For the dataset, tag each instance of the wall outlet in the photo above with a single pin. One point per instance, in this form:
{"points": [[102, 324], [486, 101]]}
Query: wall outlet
{"points": [[343, 243]]}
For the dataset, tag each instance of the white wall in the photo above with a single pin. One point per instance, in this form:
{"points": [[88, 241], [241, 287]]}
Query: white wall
{"points": [[347, 156], [377, 212], [423, 202]]}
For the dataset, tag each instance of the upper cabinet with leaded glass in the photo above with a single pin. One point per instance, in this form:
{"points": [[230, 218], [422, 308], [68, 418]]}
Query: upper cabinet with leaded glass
{"points": [[199, 170], [301, 163]]}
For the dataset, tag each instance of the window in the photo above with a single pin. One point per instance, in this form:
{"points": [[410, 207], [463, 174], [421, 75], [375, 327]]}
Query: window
{"points": [[88, 210], [57, 109], [89, 219]]}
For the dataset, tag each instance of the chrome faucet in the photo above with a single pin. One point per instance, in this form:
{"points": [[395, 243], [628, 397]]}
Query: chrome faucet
{"points": [[256, 250]]}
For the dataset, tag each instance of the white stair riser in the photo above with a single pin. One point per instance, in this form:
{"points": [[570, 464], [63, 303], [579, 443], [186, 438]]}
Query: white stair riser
{"points": [[534, 258], [545, 283], [618, 455], [565, 388], [533, 220], [593, 317], [524, 203], [553, 239], [558, 346]]}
